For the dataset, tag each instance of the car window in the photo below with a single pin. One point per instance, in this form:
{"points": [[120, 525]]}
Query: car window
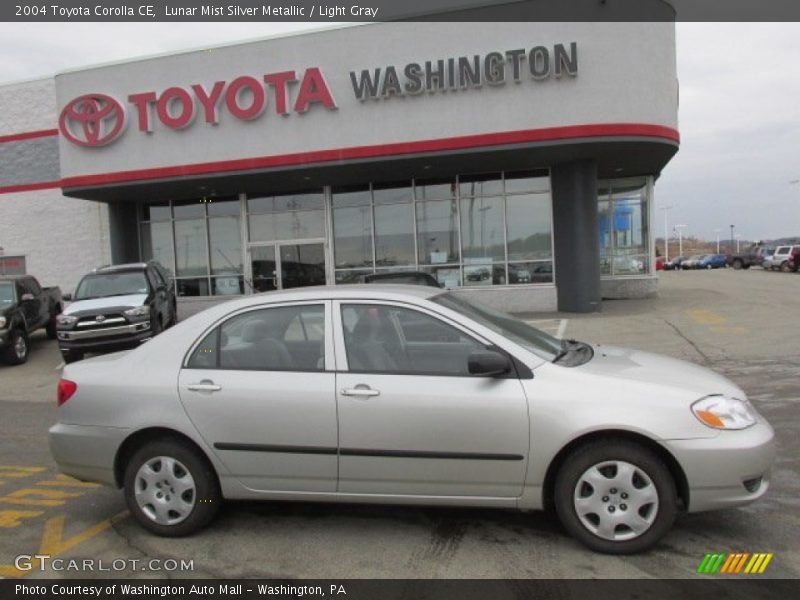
{"points": [[6, 293], [120, 283], [287, 338], [390, 339]]}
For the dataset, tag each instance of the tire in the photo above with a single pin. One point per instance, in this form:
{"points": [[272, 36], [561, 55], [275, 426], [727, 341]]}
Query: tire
{"points": [[51, 328], [171, 514], [708, 267], [72, 356], [737, 264], [156, 325], [17, 351], [602, 461], [785, 267]]}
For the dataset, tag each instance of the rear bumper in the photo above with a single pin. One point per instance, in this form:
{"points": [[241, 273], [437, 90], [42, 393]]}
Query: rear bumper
{"points": [[86, 452], [729, 470]]}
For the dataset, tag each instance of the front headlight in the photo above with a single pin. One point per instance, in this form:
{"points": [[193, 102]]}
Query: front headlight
{"points": [[139, 311], [721, 412], [66, 320], [3, 322]]}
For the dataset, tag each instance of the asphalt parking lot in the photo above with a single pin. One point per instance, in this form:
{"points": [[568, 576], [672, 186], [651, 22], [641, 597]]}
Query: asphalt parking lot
{"points": [[744, 324]]}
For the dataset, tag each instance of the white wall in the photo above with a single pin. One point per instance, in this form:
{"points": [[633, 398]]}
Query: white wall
{"points": [[61, 238]]}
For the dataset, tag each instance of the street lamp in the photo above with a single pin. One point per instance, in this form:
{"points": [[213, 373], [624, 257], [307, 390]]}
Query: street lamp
{"points": [[738, 237], [666, 233], [679, 229], [732, 226], [717, 232]]}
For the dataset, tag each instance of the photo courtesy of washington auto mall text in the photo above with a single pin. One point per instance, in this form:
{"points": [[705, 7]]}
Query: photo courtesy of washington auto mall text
{"points": [[425, 300]]}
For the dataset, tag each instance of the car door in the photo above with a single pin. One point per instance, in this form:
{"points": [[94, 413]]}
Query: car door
{"points": [[412, 420], [30, 303], [260, 391]]}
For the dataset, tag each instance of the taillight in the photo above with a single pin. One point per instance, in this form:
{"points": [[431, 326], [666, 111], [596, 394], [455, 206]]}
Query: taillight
{"points": [[66, 389]]}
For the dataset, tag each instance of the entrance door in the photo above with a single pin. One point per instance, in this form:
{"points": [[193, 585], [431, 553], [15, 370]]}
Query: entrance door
{"points": [[287, 265]]}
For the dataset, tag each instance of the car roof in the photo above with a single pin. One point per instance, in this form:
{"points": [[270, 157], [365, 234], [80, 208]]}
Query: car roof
{"points": [[354, 291], [124, 267]]}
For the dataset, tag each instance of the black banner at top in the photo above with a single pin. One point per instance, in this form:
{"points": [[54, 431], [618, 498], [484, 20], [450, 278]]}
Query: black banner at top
{"points": [[394, 10]]}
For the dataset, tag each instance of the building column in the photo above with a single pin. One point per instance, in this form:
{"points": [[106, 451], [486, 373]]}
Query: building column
{"points": [[576, 236], [124, 231]]}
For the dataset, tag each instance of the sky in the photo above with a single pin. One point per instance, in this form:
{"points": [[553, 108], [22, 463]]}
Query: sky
{"points": [[739, 114]]}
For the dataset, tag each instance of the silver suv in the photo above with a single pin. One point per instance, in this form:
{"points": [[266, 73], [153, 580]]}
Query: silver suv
{"points": [[784, 258]]}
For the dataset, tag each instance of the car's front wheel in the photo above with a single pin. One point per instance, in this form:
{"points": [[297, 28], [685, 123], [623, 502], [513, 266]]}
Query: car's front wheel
{"points": [[17, 351], [615, 496], [170, 489]]}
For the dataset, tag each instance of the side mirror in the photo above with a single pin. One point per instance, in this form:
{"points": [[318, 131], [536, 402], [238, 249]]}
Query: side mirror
{"points": [[66, 297], [488, 363], [27, 297]]}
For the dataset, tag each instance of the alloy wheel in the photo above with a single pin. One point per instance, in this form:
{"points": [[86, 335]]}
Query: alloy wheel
{"points": [[20, 347]]}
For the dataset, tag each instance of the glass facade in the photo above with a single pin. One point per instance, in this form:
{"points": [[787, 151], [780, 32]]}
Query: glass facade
{"points": [[624, 232], [474, 231], [199, 242]]}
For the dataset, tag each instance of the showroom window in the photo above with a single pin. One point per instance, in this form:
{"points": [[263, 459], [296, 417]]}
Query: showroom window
{"points": [[478, 230], [198, 241], [623, 222]]}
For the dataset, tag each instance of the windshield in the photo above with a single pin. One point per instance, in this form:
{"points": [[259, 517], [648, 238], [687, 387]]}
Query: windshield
{"points": [[101, 285], [528, 337], [6, 294]]}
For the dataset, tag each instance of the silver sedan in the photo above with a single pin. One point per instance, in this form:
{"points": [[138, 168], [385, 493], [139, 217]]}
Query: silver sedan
{"points": [[407, 394]]}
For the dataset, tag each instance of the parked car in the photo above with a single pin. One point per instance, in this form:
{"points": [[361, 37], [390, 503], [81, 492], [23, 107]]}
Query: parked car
{"points": [[117, 308], [674, 263], [25, 306], [660, 262], [754, 255], [412, 277], [691, 262], [713, 261], [327, 394], [784, 259]]}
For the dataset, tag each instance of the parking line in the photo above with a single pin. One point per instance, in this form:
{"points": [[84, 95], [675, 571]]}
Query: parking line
{"points": [[562, 328]]}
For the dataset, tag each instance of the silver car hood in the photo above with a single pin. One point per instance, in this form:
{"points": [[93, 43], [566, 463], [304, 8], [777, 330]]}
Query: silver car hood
{"points": [[130, 300], [638, 365]]}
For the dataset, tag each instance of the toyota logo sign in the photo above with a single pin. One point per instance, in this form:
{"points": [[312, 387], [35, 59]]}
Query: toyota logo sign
{"points": [[92, 120]]}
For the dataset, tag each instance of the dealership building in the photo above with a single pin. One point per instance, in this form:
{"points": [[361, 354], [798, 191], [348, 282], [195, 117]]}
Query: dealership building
{"points": [[514, 162]]}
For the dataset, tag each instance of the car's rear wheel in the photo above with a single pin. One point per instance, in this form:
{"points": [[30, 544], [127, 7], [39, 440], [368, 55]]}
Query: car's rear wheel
{"points": [[737, 264], [17, 351], [170, 489], [785, 268], [615, 496]]}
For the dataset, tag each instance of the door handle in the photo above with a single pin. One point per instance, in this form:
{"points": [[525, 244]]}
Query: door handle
{"points": [[206, 385], [360, 391]]}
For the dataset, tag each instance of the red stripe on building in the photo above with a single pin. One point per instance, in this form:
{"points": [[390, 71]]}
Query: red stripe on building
{"points": [[382, 150], [28, 135], [29, 187]]}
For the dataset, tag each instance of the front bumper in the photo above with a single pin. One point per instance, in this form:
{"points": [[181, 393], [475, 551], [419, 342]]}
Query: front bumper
{"points": [[4, 338], [86, 452], [107, 339], [731, 469]]}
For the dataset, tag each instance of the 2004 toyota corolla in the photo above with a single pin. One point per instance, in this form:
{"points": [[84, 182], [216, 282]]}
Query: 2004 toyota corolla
{"points": [[402, 394]]}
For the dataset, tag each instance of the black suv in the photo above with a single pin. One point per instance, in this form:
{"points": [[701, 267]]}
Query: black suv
{"points": [[117, 308]]}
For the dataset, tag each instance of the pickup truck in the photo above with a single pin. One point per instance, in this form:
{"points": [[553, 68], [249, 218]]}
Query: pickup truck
{"points": [[25, 306], [753, 256]]}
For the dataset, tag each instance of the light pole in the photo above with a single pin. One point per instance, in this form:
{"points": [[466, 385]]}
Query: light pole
{"points": [[679, 229], [717, 232], [732, 226], [666, 233], [738, 237]]}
